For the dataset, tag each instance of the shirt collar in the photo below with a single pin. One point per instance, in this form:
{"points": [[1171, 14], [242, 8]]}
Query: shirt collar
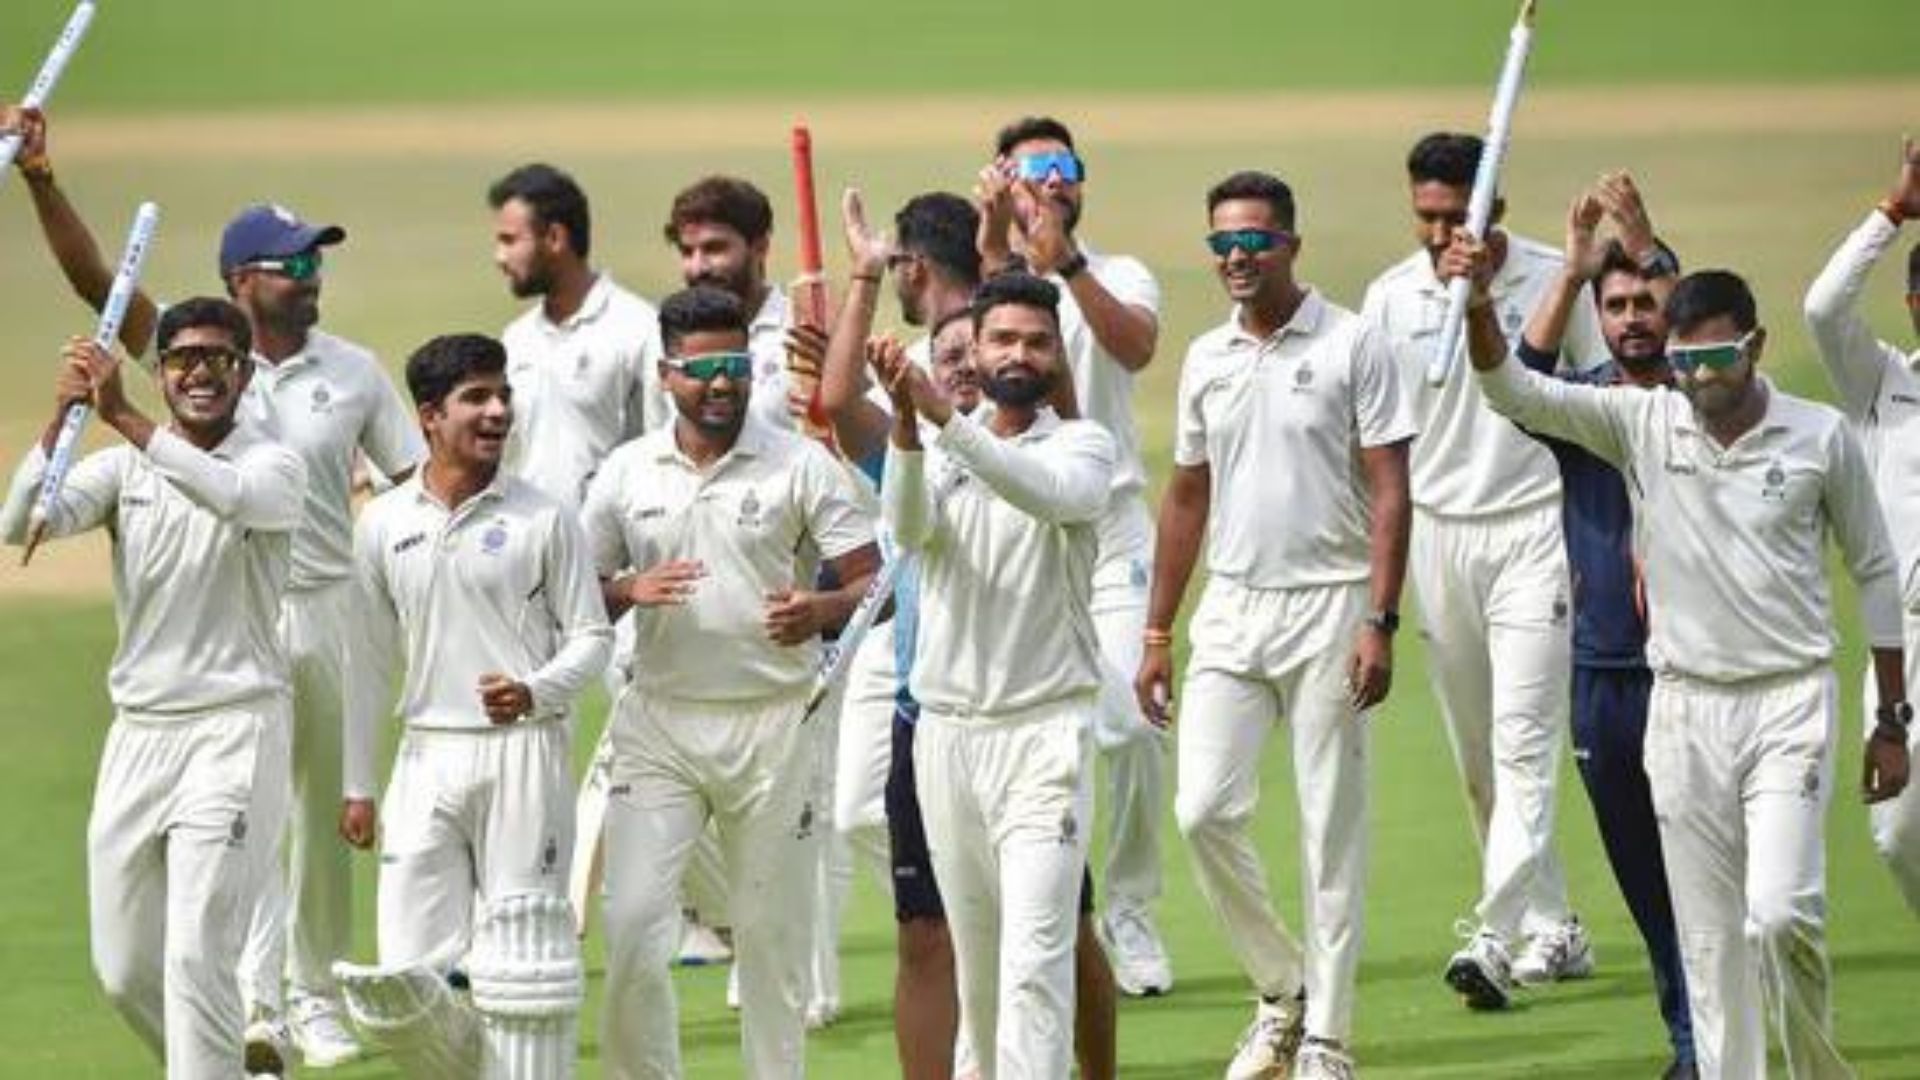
{"points": [[1771, 421], [592, 305], [416, 485], [772, 314], [755, 440], [1303, 323]]}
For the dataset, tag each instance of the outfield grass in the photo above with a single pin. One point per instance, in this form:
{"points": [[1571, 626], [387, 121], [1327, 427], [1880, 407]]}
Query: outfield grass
{"points": [[1768, 202]]}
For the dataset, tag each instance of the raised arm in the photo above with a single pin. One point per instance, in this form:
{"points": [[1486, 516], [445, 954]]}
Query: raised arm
{"points": [[1854, 359], [859, 426], [1121, 312], [87, 271]]}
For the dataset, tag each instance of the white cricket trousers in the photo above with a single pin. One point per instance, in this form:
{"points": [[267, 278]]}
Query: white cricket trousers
{"points": [[1494, 608], [750, 768], [1135, 750], [1007, 800], [855, 758], [1741, 775], [185, 815], [471, 815], [1896, 822], [1262, 657], [303, 921]]}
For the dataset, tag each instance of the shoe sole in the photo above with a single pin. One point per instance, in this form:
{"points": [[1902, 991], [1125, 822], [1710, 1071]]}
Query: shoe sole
{"points": [[1471, 983], [264, 1058]]}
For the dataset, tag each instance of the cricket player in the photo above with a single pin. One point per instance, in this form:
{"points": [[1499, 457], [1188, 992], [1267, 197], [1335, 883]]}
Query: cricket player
{"points": [[1031, 199], [1880, 393], [478, 587], [1006, 668], [1736, 486], [1290, 459], [193, 781], [714, 529], [327, 398], [1629, 278], [1491, 572]]}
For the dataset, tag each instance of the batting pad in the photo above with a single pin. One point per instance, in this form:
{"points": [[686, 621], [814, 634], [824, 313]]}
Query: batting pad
{"points": [[528, 984], [416, 1017]]}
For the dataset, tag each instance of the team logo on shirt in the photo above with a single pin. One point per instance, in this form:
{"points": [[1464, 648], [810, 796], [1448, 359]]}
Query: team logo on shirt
{"points": [[749, 511], [1302, 379], [1776, 483], [410, 541], [493, 539], [580, 366], [322, 401]]}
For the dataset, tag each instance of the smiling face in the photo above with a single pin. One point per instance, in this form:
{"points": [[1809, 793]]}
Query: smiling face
{"points": [[1438, 209], [203, 374], [1631, 321], [1054, 188], [1250, 278], [467, 429], [716, 406], [1017, 350], [715, 254], [277, 302], [954, 371]]}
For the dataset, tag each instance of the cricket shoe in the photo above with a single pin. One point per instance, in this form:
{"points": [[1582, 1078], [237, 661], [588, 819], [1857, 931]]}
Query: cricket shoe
{"points": [[1481, 971], [1140, 964], [269, 1044], [1560, 953], [701, 945], [319, 1032], [821, 1014], [1322, 1060], [1268, 1045]]}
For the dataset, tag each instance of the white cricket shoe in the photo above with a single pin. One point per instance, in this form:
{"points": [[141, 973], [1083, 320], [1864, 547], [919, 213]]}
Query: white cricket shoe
{"points": [[1140, 964], [701, 945], [1267, 1046], [269, 1044], [1563, 952], [1481, 971], [319, 1032], [822, 1014], [1319, 1060]]}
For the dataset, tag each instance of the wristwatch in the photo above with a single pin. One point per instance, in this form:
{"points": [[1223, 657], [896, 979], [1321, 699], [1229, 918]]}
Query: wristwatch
{"points": [[1386, 620], [1075, 264], [1899, 714]]}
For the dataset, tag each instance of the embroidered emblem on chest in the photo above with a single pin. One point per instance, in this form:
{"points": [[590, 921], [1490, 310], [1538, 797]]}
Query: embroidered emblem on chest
{"points": [[749, 510], [1775, 489], [1302, 379], [494, 540], [322, 400]]}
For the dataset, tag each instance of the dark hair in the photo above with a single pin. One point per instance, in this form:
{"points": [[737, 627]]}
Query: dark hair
{"points": [[1028, 128], [726, 200], [1710, 294], [1913, 270], [436, 368], [554, 199], [940, 324], [940, 226], [204, 311], [1023, 289], [1445, 157], [1615, 260], [699, 309], [1256, 185]]}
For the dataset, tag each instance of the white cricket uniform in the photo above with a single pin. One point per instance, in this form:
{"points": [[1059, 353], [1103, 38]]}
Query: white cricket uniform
{"points": [[708, 729], [325, 402], [1007, 671], [1280, 423], [1490, 569], [1136, 750], [191, 794], [475, 811], [767, 341], [1880, 393], [1741, 732]]}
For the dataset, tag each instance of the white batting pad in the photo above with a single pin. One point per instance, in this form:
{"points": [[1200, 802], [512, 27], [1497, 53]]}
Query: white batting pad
{"points": [[528, 984], [416, 1017]]}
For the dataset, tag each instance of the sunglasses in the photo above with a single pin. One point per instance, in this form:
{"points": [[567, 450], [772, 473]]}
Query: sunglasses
{"points": [[1720, 354], [1036, 167], [304, 266], [709, 366], [219, 360], [1251, 241]]}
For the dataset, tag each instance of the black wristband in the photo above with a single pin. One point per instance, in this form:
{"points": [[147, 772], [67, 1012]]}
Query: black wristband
{"points": [[1073, 266]]}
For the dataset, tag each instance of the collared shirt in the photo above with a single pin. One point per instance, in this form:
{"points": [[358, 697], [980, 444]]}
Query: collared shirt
{"points": [[500, 584], [767, 341], [202, 545], [1879, 387], [1732, 540], [323, 402], [1006, 561], [1102, 387], [1280, 423], [760, 519], [581, 387], [1596, 514], [1468, 462]]}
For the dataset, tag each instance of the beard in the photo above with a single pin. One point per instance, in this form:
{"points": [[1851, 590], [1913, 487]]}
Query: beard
{"points": [[536, 282], [1019, 392], [739, 282]]}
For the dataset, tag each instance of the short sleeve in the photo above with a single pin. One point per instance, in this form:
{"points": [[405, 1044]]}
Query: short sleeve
{"points": [[601, 519], [1382, 415], [1130, 282], [1190, 419], [837, 515], [391, 437]]}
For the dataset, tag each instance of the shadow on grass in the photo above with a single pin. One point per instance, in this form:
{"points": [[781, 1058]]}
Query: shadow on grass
{"points": [[1404, 1050]]}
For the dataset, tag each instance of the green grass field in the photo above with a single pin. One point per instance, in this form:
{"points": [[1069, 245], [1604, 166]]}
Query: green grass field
{"points": [[1765, 189]]}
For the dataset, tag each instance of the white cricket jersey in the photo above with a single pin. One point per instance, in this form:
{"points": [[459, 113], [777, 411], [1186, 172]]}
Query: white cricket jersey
{"points": [[1280, 424], [1007, 557], [1102, 388], [581, 387], [324, 402], [1468, 462], [760, 519], [500, 584], [1733, 540], [201, 552], [1879, 387], [767, 341]]}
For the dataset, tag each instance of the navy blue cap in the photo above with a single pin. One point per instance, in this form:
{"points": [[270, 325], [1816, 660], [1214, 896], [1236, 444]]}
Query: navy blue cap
{"points": [[270, 232]]}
